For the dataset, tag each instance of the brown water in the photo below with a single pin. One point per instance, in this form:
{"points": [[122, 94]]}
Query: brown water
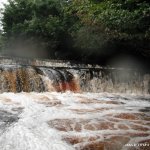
{"points": [[17, 78], [73, 107], [73, 121]]}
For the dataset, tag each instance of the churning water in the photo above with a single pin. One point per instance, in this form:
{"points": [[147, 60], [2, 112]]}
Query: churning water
{"points": [[73, 107], [69, 121], [41, 79]]}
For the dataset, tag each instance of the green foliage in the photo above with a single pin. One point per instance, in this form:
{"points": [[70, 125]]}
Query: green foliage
{"points": [[77, 28], [108, 23], [39, 22], [120, 19]]}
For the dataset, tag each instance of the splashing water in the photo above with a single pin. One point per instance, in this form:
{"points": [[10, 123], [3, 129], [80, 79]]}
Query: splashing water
{"points": [[50, 117], [41, 79], [69, 121], [28, 79]]}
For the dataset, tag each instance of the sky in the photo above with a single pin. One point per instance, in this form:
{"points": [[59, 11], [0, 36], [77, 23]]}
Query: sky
{"points": [[1, 3], [1, 6]]}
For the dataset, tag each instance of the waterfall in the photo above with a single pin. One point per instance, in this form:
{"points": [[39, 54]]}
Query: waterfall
{"points": [[107, 108], [17, 78], [28, 79]]}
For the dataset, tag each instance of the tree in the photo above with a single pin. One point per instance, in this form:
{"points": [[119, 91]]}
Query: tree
{"points": [[103, 28], [26, 23], [77, 29]]}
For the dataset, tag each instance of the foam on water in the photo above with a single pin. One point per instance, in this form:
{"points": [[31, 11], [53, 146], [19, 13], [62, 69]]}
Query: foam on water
{"points": [[68, 121], [18, 78]]}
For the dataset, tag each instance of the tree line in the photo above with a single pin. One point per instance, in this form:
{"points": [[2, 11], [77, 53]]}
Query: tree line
{"points": [[76, 29]]}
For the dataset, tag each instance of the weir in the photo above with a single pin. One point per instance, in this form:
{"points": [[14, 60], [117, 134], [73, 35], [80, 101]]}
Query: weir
{"points": [[22, 75], [107, 108]]}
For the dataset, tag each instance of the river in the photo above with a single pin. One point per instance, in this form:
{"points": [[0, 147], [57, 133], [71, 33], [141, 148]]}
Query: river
{"points": [[49, 105], [73, 121]]}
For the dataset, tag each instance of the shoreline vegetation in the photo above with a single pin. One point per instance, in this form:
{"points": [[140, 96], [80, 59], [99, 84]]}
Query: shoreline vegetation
{"points": [[79, 30]]}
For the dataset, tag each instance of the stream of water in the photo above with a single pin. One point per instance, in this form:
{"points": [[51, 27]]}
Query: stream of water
{"points": [[69, 121], [62, 106], [18, 78]]}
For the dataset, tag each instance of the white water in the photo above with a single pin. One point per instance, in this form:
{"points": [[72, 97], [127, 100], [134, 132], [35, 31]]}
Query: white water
{"points": [[32, 132]]}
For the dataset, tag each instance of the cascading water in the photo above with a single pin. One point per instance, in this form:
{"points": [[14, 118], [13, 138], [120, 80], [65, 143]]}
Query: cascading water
{"points": [[29, 79], [62, 106], [112, 80], [42, 79]]}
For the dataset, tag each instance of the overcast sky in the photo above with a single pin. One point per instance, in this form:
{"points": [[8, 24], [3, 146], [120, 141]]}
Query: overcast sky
{"points": [[1, 6], [1, 3]]}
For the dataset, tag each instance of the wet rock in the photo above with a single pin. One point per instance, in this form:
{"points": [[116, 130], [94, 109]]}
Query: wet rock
{"points": [[7, 118], [127, 116]]}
